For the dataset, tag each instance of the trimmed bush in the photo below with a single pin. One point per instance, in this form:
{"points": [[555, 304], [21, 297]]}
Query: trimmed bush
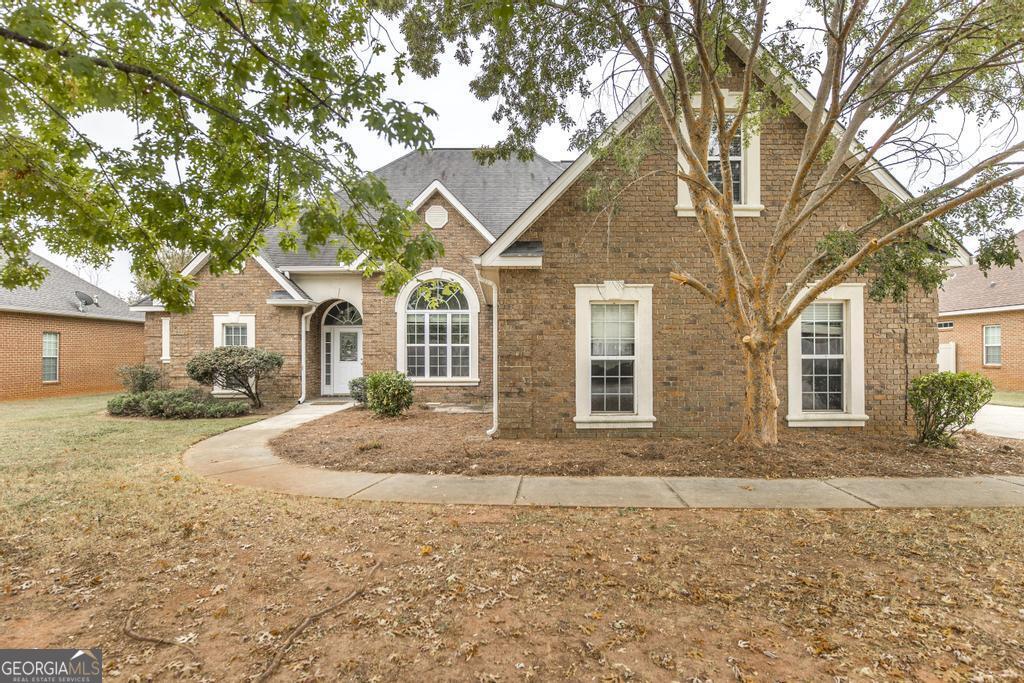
{"points": [[388, 394], [946, 402], [180, 404], [139, 377], [235, 368], [357, 390]]}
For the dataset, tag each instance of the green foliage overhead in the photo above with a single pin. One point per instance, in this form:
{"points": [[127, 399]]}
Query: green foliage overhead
{"points": [[235, 368], [946, 402], [232, 114]]}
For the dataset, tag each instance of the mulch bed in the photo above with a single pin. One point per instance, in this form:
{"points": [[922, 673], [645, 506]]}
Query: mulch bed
{"points": [[428, 442]]}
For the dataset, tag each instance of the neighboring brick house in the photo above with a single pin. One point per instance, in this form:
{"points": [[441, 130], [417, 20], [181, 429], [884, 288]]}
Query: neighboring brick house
{"points": [[589, 333], [981, 322], [53, 344]]}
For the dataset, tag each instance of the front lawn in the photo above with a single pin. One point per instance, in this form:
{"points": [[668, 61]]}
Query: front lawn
{"points": [[431, 442], [1008, 398], [100, 521]]}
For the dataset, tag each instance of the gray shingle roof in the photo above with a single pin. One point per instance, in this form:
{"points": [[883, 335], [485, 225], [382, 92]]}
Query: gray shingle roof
{"points": [[56, 296], [967, 287], [495, 194], [525, 248]]}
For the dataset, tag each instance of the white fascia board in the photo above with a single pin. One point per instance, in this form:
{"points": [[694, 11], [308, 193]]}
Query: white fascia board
{"points": [[146, 309], [518, 262], [562, 183], [978, 311], [281, 279], [71, 314], [196, 264], [438, 186], [291, 302]]}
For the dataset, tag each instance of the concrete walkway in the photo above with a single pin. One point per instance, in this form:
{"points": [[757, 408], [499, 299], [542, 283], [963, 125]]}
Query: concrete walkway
{"points": [[242, 457], [1005, 421]]}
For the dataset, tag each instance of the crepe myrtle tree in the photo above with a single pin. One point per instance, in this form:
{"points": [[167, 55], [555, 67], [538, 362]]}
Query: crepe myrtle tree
{"points": [[231, 116], [892, 82]]}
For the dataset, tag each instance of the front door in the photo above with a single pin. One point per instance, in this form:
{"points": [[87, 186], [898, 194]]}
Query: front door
{"points": [[344, 346]]}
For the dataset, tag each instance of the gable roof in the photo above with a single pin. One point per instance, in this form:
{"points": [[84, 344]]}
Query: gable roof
{"points": [[968, 289], [884, 183], [56, 296]]}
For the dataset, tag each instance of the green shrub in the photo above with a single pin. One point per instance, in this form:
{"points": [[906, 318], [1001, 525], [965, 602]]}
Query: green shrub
{"points": [[139, 377], [235, 368], [181, 404], [357, 390], [946, 402], [388, 393]]}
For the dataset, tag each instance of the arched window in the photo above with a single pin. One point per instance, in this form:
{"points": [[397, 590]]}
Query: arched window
{"points": [[343, 313], [437, 338]]}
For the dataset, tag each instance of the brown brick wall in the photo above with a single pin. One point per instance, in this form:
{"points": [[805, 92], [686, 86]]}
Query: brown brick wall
{"points": [[277, 328], [90, 353], [461, 243], [967, 333], [698, 374]]}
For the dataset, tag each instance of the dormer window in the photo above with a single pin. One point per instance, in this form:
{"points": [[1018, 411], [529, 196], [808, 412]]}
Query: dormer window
{"points": [[735, 163]]}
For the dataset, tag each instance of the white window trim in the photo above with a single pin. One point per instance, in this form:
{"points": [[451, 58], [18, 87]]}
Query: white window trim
{"points": [[401, 306], [616, 291], [219, 320], [165, 339], [55, 380], [751, 206], [850, 294], [986, 346]]}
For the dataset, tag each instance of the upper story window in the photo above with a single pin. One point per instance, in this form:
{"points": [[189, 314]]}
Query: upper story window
{"points": [[735, 164], [992, 337], [51, 356], [437, 329], [745, 162], [945, 325]]}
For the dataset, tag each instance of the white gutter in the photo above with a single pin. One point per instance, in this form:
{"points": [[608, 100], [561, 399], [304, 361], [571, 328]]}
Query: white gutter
{"points": [[304, 321], [979, 311], [494, 350]]}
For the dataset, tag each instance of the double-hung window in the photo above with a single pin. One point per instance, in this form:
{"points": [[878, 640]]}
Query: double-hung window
{"points": [[823, 357], [437, 332], [51, 356], [612, 357], [992, 337], [236, 334], [735, 162], [825, 361]]}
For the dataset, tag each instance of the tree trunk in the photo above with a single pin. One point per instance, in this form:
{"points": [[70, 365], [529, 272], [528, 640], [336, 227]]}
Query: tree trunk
{"points": [[761, 404]]}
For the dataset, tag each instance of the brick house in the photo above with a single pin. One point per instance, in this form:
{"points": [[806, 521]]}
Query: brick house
{"points": [[54, 343], [568, 325], [981, 322]]}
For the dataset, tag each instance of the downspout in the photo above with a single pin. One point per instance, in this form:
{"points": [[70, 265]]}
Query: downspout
{"points": [[494, 350], [303, 323]]}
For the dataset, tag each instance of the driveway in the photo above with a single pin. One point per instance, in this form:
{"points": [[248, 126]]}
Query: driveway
{"points": [[1003, 421]]}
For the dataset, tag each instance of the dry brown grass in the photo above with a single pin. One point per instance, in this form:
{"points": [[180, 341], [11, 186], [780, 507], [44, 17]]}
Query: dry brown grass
{"points": [[99, 519], [441, 443]]}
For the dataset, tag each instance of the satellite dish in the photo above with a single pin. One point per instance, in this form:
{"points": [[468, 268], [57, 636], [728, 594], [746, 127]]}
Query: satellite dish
{"points": [[85, 300]]}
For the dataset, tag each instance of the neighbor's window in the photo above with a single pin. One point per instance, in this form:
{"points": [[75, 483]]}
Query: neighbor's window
{"points": [[735, 163], [236, 334], [612, 357], [993, 338], [822, 357], [437, 332], [51, 356], [945, 325]]}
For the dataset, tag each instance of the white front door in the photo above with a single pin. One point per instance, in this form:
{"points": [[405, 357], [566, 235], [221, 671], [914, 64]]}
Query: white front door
{"points": [[344, 347]]}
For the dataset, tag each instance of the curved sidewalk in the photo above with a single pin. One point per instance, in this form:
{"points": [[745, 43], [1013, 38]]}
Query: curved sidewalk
{"points": [[242, 457]]}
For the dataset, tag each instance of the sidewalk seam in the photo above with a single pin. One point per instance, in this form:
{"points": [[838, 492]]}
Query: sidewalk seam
{"points": [[826, 482], [519, 487], [675, 493], [999, 477], [356, 493]]}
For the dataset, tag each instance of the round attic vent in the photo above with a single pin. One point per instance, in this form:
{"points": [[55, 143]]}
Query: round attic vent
{"points": [[437, 216]]}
